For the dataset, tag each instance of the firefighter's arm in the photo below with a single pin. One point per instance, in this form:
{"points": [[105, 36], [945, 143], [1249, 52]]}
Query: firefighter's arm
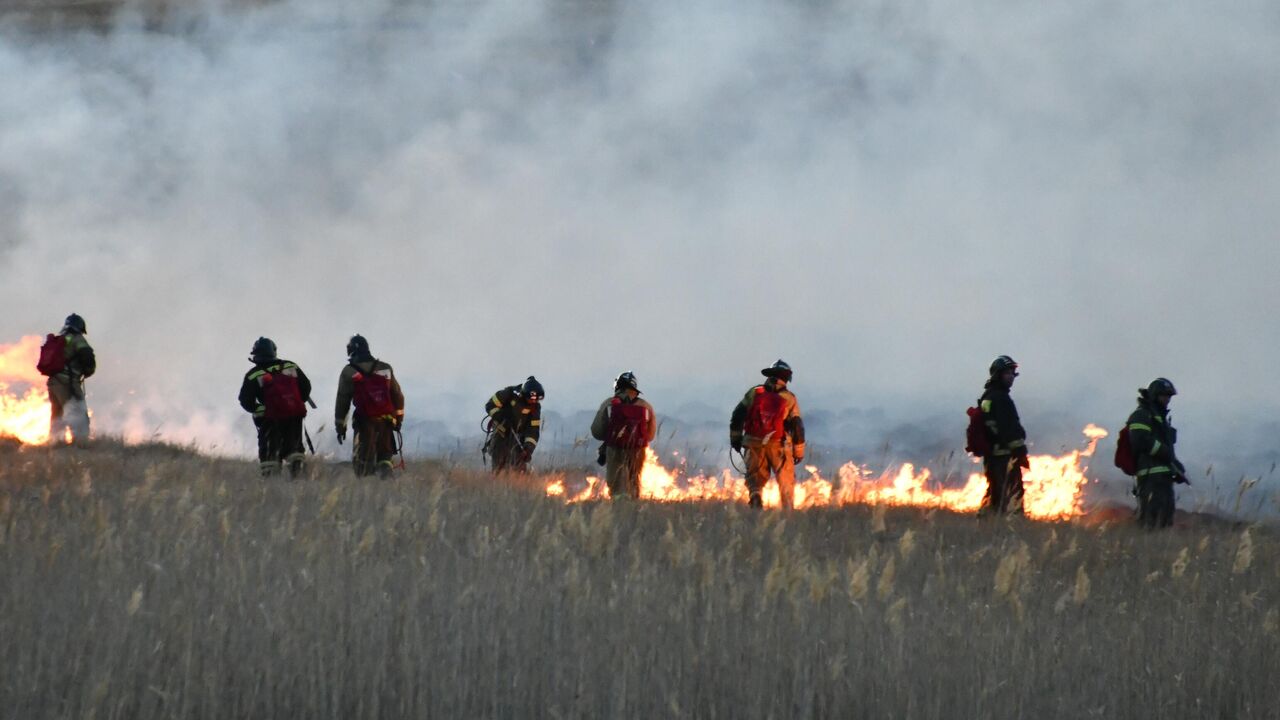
{"points": [[85, 361], [1143, 439], [397, 398], [738, 419], [600, 424], [653, 423], [495, 405], [533, 429], [794, 426], [342, 403], [249, 399], [304, 384]]}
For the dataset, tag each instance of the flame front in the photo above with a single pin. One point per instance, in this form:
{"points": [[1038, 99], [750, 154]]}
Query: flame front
{"points": [[24, 401], [1054, 486]]}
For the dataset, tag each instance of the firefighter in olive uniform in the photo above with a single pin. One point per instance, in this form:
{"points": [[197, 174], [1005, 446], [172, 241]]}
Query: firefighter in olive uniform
{"points": [[626, 425], [1151, 439], [371, 386], [767, 424], [74, 363], [276, 393], [514, 425], [1008, 455]]}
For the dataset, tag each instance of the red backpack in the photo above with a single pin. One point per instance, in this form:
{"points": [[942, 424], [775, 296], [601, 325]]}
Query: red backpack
{"points": [[977, 439], [281, 395], [628, 425], [766, 416], [372, 396], [53, 355], [1125, 460]]}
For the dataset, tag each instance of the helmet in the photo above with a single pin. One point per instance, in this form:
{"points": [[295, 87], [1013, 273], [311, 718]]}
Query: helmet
{"points": [[1003, 363], [76, 323], [263, 349], [1161, 386], [626, 380], [532, 390], [357, 347], [779, 370]]}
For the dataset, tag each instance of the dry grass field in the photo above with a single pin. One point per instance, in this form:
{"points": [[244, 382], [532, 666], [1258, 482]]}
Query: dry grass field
{"points": [[148, 582]]}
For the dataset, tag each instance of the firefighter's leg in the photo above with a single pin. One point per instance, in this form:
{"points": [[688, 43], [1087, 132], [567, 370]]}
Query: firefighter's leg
{"points": [[294, 454], [614, 472], [57, 402], [500, 451], [385, 448], [784, 468], [268, 447], [757, 473], [996, 467], [634, 467], [1146, 508], [1162, 502], [362, 447], [519, 461], [1013, 489]]}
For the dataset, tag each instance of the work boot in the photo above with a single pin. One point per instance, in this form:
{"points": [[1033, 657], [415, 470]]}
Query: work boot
{"points": [[756, 501]]}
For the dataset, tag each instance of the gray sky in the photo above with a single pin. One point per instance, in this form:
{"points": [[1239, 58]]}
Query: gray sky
{"points": [[887, 194]]}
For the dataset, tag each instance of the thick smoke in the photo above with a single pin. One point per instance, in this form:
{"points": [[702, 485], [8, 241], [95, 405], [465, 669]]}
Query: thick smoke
{"points": [[886, 194]]}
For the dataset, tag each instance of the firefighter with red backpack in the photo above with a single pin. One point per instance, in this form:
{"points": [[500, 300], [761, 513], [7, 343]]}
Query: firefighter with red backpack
{"points": [[767, 424], [1145, 450], [626, 424], [1001, 441], [67, 359], [276, 393], [371, 386], [513, 425]]}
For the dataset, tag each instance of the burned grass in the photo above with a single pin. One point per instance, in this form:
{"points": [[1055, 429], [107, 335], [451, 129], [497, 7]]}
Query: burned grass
{"points": [[150, 582]]}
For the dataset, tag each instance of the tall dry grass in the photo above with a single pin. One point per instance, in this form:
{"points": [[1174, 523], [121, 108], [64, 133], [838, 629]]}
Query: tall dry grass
{"points": [[151, 583]]}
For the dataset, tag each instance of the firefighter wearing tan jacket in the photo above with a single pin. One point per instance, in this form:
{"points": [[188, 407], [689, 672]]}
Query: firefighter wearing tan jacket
{"points": [[767, 424], [68, 410], [371, 386], [626, 425]]}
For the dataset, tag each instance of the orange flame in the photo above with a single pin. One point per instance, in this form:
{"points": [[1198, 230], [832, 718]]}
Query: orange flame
{"points": [[1054, 486], [24, 401]]}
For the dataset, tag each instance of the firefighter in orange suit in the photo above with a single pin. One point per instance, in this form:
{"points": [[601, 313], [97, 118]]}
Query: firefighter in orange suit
{"points": [[626, 424], [768, 426]]}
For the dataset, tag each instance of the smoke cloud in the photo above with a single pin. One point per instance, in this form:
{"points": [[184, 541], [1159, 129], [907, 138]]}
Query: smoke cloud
{"points": [[886, 194]]}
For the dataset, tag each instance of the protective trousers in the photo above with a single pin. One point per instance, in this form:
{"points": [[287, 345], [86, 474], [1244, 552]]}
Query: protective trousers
{"points": [[1004, 486], [622, 468], [279, 441], [373, 447], [507, 453], [772, 459], [1155, 501], [68, 409]]}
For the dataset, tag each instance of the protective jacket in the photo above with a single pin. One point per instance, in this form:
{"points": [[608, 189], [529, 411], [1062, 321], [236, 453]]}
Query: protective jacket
{"points": [[1152, 440], [785, 410], [251, 395], [511, 413], [1001, 418], [80, 364], [347, 389], [610, 421]]}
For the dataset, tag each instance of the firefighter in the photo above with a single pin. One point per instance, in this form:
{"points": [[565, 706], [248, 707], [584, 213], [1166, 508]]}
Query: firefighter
{"points": [[768, 425], [1152, 438], [371, 386], [276, 393], [626, 424], [515, 424], [70, 360], [1008, 455]]}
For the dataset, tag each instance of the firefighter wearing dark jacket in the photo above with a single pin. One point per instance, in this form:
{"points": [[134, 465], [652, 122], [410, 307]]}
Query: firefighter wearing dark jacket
{"points": [[1008, 456], [371, 386], [68, 409], [767, 424], [626, 424], [275, 392], [1152, 438], [515, 424]]}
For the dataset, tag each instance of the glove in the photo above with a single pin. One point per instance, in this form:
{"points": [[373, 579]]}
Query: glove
{"points": [[398, 422], [526, 454], [1022, 459], [600, 457], [798, 458], [736, 444], [341, 430]]}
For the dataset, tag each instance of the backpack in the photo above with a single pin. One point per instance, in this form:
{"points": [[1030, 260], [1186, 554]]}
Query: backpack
{"points": [[372, 395], [1125, 460], [766, 416], [977, 439], [53, 355], [628, 425], [281, 395]]}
